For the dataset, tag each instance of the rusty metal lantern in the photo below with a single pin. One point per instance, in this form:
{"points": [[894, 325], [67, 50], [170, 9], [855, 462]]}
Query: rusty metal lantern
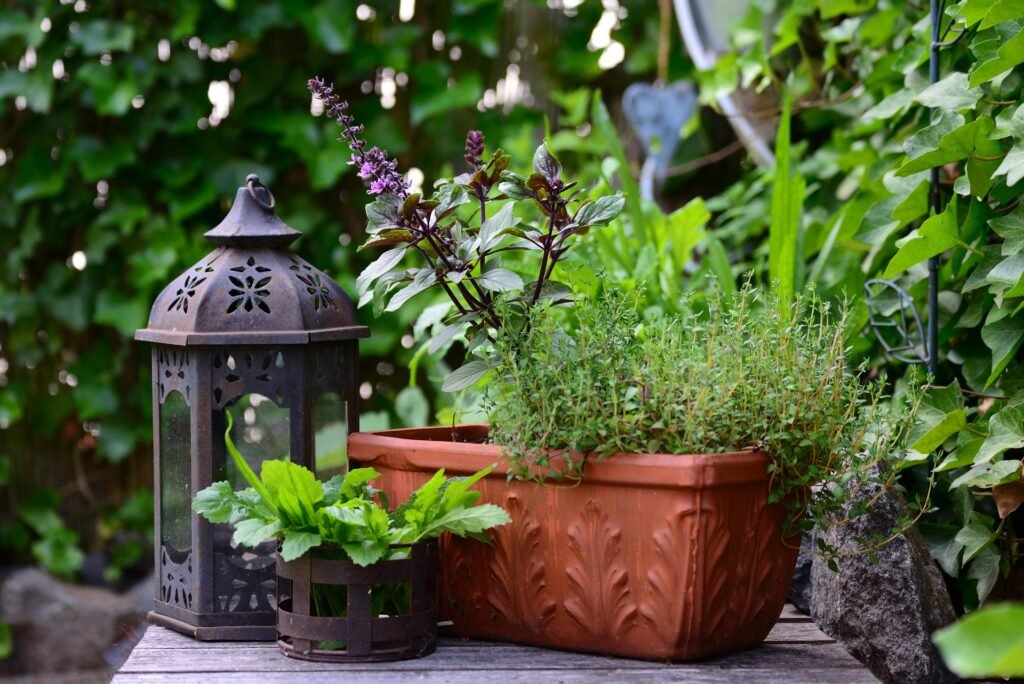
{"points": [[254, 331]]}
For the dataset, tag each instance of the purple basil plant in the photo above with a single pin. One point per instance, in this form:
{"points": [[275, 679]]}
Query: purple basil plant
{"points": [[461, 232]]}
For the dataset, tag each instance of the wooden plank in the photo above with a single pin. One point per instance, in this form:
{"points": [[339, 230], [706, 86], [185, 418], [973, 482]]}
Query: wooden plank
{"points": [[795, 652], [791, 614], [691, 674], [468, 656], [783, 632], [780, 656]]}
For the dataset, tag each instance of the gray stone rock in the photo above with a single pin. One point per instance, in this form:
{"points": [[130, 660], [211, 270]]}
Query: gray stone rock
{"points": [[61, 627], [800, 590], [884, 613]]}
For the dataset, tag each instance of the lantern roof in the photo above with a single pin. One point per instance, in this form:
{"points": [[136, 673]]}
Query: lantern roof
{"points": [[251, 289]]}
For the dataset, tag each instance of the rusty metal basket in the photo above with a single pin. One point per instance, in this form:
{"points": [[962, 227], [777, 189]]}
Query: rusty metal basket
{"points": [[365, 638]]}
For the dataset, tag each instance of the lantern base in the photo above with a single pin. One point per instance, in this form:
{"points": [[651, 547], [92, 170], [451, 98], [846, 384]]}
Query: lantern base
{"points": [[216, 633]]}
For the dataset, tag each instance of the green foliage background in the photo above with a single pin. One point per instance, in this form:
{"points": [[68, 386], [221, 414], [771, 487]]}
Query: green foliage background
{"points": [[117, 159], [867, 127]]}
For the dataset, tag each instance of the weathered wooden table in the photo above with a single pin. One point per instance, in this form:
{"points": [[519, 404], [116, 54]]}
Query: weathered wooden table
{"points": [[795, 652]]}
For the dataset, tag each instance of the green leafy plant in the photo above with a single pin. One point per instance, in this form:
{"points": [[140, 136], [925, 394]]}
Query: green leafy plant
{"points": [[984, 644], [287, 502], [745, 373], [868, 126], [345, 516]]}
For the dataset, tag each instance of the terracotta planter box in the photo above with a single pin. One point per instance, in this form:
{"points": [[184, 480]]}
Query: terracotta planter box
{"points": [[652, 556]]}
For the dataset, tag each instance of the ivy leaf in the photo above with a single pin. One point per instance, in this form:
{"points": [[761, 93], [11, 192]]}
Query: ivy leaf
{"points": [[97, 37], [979, 276], [984, 570], [974, 537], [937, 234], [891, 106], [1004, 337], [988, 474], [964, 455], [986, 643], [943, 546], [974, 11], [940, 416], [384, 263], [298, 542], [465, 376], [1012, 166], [1005, 431], [947, 140], [953, 93], [1000, 11], [499, 280], [997, 55]]}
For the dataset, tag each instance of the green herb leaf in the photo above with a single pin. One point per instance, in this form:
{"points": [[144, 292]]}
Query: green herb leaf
{"points": [[297, 542]]}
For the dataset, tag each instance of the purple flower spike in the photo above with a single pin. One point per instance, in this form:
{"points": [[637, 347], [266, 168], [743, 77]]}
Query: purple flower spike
{"points": [[475, 149], [373, 165]]}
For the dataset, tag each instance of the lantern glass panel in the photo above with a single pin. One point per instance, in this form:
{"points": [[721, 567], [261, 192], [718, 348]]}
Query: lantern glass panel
{"points": [[330, 430], [175, 475], [260, 431]]}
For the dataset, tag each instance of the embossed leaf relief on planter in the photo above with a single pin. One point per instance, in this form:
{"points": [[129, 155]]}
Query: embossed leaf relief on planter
{"points": [[262, 372], [761, 564], [601, 601], [172, 372], [712, 548], [249, 289], [459, 593], [520, 594], [176, 580], [663, 602], [316, 286]]}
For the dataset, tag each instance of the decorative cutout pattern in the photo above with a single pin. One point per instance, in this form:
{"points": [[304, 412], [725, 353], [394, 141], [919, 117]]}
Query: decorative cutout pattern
{"points": [[249, 289], [246, 579], [262, 372], [186, 292], [601, 600], [316, 285], [519, 591], [176, 580], [172, 372], [329, 370]]}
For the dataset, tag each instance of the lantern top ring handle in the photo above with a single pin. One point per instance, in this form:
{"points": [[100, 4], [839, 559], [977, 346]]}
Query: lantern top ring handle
{"points": [[252, 181]]}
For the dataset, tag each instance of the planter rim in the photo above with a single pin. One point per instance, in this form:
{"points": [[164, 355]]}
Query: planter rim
{"points": [[432, 448]]}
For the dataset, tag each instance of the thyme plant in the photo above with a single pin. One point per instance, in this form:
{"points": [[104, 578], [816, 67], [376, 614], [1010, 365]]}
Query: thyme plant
{"points": [[746, 373], [461, 233]]}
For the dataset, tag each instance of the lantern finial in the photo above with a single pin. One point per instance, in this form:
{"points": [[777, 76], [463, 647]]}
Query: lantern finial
{"points": [[252, 221]]}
